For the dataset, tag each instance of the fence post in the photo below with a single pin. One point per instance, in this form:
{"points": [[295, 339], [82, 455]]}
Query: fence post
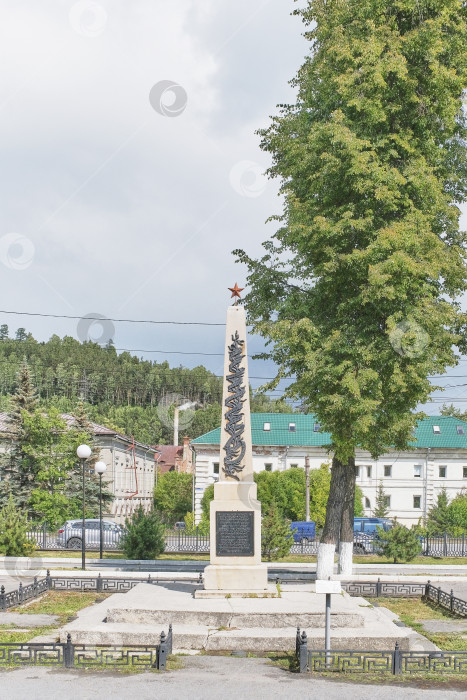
{"points": [[197, 538], [427, 589], [445, 544], [463, 538], [452, 601], [379, 588], [20, 593], [439, 594], [169, 640], [303, 653], [99, 583], [68, 653], [44, 535], [162, 653], [2, 598], [34, 586], [397, 661], [48, 578]]}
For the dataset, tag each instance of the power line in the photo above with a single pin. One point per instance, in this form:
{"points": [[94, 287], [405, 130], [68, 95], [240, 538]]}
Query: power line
{"points": [[115, 320]]}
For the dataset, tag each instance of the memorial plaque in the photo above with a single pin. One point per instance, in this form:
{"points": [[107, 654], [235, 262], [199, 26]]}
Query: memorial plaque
{"points": [[235, 533]]}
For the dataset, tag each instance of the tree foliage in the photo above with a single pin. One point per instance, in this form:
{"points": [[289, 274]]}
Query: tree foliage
{"points": [[276, 535], [13, 529], [39, 468], [286, 491], [399, 543], [381, 509], [173, 496], [145, 535], [445, 517], [356, 290]]}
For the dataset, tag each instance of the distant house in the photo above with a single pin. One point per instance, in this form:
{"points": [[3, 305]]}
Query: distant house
{"points": [[411, 479], [175, 458], [130, 467]]}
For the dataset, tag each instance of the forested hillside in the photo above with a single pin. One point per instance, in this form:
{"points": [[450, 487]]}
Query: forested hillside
{"points": [[130, 394]]}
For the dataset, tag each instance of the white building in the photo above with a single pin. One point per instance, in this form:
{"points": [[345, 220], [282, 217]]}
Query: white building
{"points": [[411, 479]]}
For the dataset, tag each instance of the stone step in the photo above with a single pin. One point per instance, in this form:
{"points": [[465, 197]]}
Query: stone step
{"points": [[229, 619], [259, 639]]}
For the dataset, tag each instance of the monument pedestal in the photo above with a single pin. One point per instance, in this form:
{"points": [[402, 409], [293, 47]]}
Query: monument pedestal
{"points": [[236, 542]]}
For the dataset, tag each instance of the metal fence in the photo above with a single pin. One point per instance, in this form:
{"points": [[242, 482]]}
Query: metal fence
{"points": [[69, 655], [447, 600], [100, 584], [179, 542], [393, 661]]}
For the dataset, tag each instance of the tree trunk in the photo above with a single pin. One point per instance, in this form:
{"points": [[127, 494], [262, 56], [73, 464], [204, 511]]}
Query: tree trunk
{"points": [[346, 526], [332, 523]]}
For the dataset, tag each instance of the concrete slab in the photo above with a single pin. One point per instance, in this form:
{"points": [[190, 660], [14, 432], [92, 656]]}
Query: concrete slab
{"points": [[26, 621], [444, 626]]}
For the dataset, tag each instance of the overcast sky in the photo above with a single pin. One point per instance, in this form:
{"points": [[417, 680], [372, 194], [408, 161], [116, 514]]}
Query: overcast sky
{"points": [[121, 196]]}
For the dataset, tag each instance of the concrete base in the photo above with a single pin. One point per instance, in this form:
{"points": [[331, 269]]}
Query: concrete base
{"points": [[237, 623], [214, 594], [252, 579]]}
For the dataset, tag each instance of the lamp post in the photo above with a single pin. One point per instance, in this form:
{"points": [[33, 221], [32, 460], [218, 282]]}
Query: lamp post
{"points": [[100, 468], [83, 452]]}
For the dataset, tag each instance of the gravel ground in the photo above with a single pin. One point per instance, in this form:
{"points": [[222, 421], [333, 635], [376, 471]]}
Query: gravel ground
{"points": [[202, 678]]}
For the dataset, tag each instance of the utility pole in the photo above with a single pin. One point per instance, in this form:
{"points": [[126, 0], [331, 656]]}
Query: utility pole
{"points": [[307, 489]]}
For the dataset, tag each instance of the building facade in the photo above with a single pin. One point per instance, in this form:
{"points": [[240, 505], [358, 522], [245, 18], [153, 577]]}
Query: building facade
{"points": [[411, 479]]}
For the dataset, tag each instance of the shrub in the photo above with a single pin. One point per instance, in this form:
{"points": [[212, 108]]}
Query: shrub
{"points": [[399, 543], [276, 535], [145, 535], [13, 529]]}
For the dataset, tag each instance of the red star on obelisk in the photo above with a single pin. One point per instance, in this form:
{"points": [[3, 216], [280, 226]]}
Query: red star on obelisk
{"points": [[236, 291]]}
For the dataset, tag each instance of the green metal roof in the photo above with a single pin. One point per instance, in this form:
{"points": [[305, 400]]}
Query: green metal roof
{"points": [[304, 434]]}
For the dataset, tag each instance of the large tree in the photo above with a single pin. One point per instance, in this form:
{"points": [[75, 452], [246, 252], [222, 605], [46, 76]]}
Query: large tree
{"points": [[356, 292]]}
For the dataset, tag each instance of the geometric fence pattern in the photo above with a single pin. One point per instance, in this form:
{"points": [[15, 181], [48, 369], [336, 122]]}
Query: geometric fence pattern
{"points": [[393, 661], [69, 655]]}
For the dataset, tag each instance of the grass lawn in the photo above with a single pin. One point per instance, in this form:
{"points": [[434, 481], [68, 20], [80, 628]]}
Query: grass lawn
{"points": [[65, 604], [412, 609]]}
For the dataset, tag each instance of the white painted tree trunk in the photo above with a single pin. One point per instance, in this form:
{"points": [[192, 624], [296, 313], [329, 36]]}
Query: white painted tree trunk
{"points": [[325, 567], [345, 558]]}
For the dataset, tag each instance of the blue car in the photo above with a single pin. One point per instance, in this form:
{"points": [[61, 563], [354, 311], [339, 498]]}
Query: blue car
{"points": [[304, 531], [365, 534]]}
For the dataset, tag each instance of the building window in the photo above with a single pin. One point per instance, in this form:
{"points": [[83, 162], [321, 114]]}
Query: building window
{"points": [[464, 472], [368, 472], [292, 427], [294, 466], [417, 470], [215, 468], [367, 503], [387, 470], [387, 501], [268, 467], [267, 426], [437, 430], [316, 427], [417, 501], [460, 429], [442, 472]]}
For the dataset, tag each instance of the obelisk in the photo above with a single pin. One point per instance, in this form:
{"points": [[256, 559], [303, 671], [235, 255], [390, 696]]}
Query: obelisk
{"points": [[235, 558]]}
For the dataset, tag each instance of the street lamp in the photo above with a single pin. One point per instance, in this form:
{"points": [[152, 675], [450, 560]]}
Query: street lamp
{"points": [[83, 452], [100, 468]]}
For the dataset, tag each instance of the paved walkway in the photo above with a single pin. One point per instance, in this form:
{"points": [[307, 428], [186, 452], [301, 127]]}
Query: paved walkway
{"points": [[203, 678]]}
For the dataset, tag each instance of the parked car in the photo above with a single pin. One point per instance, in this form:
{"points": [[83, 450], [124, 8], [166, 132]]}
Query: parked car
{"points": [[304, 531], [181, 525], [70, 534], [365, 534]]}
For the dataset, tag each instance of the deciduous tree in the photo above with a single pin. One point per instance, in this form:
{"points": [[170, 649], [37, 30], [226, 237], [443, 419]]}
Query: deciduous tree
{"points": [[356, 293]]}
